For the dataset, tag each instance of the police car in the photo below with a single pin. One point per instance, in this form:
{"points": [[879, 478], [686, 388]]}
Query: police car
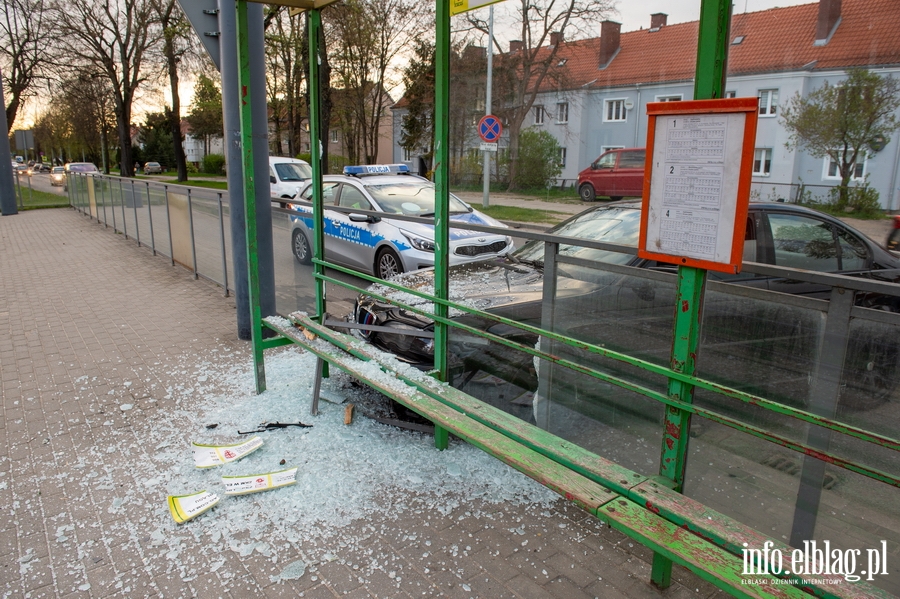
{"points": [[378, 244]]}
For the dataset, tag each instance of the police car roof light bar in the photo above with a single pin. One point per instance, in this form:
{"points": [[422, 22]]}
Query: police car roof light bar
{"points": [[376, 169]]}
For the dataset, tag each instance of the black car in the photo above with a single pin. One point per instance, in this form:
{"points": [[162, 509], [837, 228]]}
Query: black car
{"points": [[777, 345]]}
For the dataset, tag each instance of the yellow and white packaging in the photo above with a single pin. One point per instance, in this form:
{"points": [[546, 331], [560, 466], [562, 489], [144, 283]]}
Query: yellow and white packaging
{"points": [[207, 456], [187, 507], [254, 483]]}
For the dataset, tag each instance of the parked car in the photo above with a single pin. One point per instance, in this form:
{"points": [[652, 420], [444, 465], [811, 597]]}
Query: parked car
{"points": [[611, 310], [79, 167], [287, 176], [616, 174], [58, 176], [378, 244], [153, 168]]}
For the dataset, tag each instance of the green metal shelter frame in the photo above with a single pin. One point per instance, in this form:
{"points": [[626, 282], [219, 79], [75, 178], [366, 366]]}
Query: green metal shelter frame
{"points": [[691, 283]]}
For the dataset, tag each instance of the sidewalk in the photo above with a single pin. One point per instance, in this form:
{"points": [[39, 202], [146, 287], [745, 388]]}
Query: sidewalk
{"points": [[112, 361]]}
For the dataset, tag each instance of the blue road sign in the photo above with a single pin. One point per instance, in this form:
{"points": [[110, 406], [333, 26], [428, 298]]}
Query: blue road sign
{"points": [[489, 128]]}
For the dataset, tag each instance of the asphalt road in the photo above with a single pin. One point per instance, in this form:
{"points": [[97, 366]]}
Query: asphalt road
{"points": [[38, 182]]}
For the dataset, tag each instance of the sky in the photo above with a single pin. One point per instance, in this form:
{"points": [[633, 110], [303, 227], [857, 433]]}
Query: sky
{"points": [[634, 15]]}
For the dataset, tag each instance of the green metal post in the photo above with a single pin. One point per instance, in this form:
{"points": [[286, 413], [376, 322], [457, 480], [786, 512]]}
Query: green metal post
{"points": [[442, 195], [709, 82], [315, 127], [243, 51]]}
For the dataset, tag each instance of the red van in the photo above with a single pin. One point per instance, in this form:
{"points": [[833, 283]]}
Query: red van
{"points": [[616, 174]]}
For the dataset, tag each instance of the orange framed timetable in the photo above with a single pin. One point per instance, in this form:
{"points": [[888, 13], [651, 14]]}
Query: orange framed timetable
{"points": [[697, 182]]}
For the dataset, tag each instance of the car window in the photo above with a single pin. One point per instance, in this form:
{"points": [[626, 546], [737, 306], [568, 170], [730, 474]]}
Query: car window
{"points": [[632, 159], [293, 171], [612, 225], [413, 198], [803, 242], [351, 197], [328, 191], [607, 160]]}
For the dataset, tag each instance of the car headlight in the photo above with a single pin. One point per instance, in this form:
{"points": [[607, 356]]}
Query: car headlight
{"points": [[420, 243]]}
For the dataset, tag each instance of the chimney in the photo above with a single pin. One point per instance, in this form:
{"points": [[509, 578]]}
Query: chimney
{"points": [[829, 17], [516, 46], [556, 38], [658, 20], [609, 41]]}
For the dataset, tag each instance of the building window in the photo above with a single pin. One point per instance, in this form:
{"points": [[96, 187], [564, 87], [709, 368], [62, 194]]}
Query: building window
{"points": [[675, 98], [334, 136], [615, 111], [562, 112], [833, 171], [605, 149], [562, 157], [768, 102], [731, 94], [762, 161], [407, 155], [539, 115]]}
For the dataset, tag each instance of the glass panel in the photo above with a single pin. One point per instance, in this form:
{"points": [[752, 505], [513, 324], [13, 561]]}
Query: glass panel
{"points": [[207, 234]]}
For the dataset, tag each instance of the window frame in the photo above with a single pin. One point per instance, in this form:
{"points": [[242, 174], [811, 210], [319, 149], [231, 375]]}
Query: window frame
{"points": [[827, 162], [670, 98], [770, 109], [766, 171], [538, 114], [606, 110], [562, 156], [562, 107]]}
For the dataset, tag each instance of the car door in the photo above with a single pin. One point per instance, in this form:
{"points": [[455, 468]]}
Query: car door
{"points": [[329, 196], [602, 174], [812, 243], [354, 240], [629, 173]]}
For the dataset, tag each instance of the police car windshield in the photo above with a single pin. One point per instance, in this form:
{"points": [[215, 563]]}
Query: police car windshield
{"points": [[413, 198], [293, 171]]}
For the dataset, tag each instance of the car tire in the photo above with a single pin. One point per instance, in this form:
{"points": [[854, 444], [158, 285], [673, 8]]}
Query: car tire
{"points": [[387, 264], [300, 247], [587, 193], [615, 198]]}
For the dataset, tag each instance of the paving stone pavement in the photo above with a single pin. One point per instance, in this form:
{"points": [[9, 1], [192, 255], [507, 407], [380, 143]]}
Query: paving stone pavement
{"points": [[95, 333]]}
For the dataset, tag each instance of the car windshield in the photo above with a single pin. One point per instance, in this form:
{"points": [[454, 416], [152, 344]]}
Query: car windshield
{"points": [[414, 198], [621, 225], [293, 171], [58, 169], [82, 168]]}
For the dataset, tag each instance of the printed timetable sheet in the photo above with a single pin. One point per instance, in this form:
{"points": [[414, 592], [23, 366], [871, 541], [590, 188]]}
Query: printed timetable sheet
{"points": [[696, 159]]}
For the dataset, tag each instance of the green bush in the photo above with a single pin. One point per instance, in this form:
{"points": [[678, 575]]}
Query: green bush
{"points": [[214, 164], [192, 167], [538, 159], [862, 200]]}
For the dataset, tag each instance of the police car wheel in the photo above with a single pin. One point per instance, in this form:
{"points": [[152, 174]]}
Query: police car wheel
{"points": [[388, 264], [301, 248]]}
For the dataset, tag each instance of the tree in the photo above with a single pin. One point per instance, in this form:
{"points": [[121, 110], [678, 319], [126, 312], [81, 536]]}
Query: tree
{"points": [[156, 138], [520, 75], [538, 158], [26, 30], [368, 35], [205, 117], [841, 121], [284, 50], [111, 37], [416, 131], [176, 31]]}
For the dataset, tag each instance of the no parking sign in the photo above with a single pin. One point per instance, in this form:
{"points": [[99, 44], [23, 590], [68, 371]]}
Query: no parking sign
{"points": [[490, 128]]}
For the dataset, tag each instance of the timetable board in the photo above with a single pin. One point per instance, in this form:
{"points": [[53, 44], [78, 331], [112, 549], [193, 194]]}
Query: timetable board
{"points": [[697, 182]]}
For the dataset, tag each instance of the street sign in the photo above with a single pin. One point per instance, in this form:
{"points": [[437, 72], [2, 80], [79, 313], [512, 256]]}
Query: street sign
{"points": [[204, 18], [490, 128], [460, 6], [488, 147]]}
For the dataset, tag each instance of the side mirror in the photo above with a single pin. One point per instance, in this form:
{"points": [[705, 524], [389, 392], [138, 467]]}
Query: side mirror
{"points": [[593, 166], [272, 179], [364, 218]]}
